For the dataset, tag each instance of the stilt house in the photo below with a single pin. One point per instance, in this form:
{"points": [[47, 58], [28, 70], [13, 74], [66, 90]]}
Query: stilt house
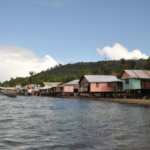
{"points": [[99, 83], [69, 87], [136, 79]]}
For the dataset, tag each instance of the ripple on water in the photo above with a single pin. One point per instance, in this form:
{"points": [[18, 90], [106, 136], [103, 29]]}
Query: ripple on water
{"points": [[11, 142], [70, 124], [6, 120]]}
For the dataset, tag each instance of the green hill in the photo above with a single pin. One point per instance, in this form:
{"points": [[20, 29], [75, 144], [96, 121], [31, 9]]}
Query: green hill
{"points": [[77, 67], [68, 72]]}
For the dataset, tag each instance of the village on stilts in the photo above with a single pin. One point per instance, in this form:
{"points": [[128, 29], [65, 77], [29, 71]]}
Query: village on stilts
{"points": [[132, 84]]}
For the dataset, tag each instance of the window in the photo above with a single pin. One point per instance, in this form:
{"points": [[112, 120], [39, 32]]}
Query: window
{"points": [[61, 88], [126, 81], [85, 84], [97, 85], [108, 84]]}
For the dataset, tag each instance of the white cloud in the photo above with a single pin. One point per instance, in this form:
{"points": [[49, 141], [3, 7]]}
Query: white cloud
{"points": [[53, 3], [17, 61], [118, 51]]}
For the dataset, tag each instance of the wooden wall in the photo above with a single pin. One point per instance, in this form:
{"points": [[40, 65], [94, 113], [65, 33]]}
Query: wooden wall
{"points": [[84, 80], [145, 84], [125, 75], [69, 89]]}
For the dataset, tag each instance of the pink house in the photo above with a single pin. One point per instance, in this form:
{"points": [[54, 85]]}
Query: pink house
{"points": [[70, 87], [99, 83]]}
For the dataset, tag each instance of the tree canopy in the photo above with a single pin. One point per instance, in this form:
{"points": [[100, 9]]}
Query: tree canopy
{"points": [[69, 72]]}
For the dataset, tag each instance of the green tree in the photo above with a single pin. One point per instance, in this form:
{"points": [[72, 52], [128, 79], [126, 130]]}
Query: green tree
{"points": [[40, 83], [30, 80], [132, 64], [96, 71], [147, 66], [105, 70], [25, 82], [70, 78], [84, 72], [122, 66], [123, 63], [5, 84], [12, 82], [31, 73], [46, 77]]}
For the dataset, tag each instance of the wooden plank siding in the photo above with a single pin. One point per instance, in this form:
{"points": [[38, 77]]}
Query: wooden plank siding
{"points": [[145, 84], [84, 80], [68, 89], [82, 88], [125, 75], [59, 88]]}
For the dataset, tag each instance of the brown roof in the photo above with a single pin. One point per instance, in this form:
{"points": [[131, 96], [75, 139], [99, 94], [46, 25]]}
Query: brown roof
{"points": [[138, 73]]}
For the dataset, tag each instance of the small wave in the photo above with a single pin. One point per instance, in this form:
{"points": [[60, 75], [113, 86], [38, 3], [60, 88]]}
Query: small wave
{"points": [[12, 143], [6, 120], [36, 116], [78, 145]]}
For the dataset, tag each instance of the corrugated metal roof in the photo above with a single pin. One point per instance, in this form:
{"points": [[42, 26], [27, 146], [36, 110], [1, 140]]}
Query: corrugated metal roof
{"points": [[148, 72], [48, 87], [139, 73], [73, 82], [131, 73], [102, 78]]}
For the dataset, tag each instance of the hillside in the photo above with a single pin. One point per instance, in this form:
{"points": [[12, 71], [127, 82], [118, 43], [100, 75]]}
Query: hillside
{"points": [[68, 72], [77, 67]]}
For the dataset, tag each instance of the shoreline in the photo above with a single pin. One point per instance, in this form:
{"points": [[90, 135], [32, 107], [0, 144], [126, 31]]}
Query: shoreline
{"points": [[119, 100]]}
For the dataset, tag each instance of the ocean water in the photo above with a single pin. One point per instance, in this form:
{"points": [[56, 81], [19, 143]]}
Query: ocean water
{"points": [[46, 123]]}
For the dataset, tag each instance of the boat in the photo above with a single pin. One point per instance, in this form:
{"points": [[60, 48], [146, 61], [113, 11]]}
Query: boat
{"points": [[11, 95]]}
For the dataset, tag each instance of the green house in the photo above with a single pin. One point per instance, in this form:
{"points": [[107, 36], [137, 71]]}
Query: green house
{"points": [[131, 84]]}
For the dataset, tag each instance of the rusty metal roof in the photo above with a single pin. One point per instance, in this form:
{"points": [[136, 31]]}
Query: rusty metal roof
{"points": [[131, 73], [139, 73], [148, 72], [102, 78]]}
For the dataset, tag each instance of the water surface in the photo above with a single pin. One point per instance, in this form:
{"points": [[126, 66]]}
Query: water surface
{"points": [[30, 123]]}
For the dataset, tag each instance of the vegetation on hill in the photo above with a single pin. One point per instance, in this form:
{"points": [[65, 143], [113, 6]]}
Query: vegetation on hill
{"points": [[68, 72]]}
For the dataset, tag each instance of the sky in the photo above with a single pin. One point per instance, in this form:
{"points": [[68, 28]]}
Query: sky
{"points": [[39, 34]]}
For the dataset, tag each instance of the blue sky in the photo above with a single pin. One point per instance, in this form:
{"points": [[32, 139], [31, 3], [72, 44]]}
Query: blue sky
{"points": [[71, 30]]}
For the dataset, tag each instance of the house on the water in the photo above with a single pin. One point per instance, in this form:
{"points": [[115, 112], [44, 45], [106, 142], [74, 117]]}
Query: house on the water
{"points": [[32, 86], [99, 84], [18, 86], [70, 87], [136, 79]]}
